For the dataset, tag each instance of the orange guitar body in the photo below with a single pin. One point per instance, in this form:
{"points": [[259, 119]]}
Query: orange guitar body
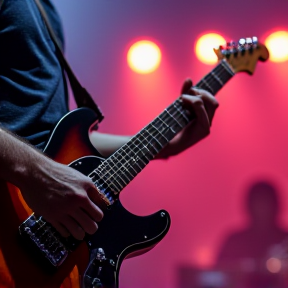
{"points": [[17, 269]]}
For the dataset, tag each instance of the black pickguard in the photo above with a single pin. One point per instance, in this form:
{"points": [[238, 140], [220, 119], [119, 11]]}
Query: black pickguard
{"points": [[120, 235]]}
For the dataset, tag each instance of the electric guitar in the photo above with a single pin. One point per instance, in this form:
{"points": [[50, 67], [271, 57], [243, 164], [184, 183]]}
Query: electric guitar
{"points": [[34, 255]]}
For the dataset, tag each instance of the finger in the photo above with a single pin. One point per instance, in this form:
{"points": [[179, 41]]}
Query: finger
{"points": [[87, 224], [90, 205], [73, 227], [187, 85], [61, 229], [196, 104], [211, 104]]}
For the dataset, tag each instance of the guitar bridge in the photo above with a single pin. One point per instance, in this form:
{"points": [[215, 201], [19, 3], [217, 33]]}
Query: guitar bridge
{"points": [[45, 238]]}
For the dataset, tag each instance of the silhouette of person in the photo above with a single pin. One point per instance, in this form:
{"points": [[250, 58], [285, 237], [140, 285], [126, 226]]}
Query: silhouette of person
{"points": [[257, 252]]}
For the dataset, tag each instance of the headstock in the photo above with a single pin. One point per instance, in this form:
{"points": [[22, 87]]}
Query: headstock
{"points": [[243, 56]]}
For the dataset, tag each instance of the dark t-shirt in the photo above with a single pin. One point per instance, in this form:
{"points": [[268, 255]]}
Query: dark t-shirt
{"points": [[33, 93]]}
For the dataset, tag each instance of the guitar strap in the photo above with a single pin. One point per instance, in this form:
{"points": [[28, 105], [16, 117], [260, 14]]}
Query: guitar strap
{"points": [[81, 95]]}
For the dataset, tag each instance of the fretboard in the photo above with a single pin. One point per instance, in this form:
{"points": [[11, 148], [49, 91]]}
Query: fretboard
{"points": [[119, 170]]}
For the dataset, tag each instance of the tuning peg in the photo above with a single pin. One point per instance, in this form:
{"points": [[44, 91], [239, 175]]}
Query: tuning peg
{"points": [[254, 40], [242, 42], [231, 44], [228, 45], [249, 41]]}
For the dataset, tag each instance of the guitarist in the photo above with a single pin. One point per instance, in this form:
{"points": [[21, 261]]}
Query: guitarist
{"points": [[33, 97]]}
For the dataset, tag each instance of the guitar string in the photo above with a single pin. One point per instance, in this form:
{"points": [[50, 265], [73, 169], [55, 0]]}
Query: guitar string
{"points": [[209, 80], [147, 145], [200, 85], [42, 224], [141, 150], [205, 82]]}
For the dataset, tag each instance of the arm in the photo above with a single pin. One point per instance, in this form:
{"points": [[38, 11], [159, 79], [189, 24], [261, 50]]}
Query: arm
{"points": [[197, 101], [63, 196]]}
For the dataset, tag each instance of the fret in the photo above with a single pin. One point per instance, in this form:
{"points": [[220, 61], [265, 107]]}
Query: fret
{"points": [[104, 179], [133, 154], [116, 189], [149, 151], [146, 139], [206, 85], [217, 78], [172, 117], [136, 165], [156, 140], [122, 171], [182, 119], [130, 160], [139, 150], [143, 159], [108, 169], [152, 140], [223, 72], [227, 67], [108, 183], [178, 106], [161, 140], [160, 130], [121, 168], [126, 161], [163, 125], [119, 178]]}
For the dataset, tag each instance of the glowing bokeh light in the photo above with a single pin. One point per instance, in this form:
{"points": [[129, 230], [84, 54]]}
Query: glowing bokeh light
{"points": [[204, 256], [273, 265], [204, 47], [144, 57], [277, 44]]}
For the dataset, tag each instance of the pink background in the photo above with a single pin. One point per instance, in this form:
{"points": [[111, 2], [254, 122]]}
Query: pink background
{"points": [[203, 188]]}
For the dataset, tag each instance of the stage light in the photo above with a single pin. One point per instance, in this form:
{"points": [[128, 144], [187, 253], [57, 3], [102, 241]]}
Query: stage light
{"points": [[277, 44], [273, 265], [204, 256], [144, 57], [204, 47]]}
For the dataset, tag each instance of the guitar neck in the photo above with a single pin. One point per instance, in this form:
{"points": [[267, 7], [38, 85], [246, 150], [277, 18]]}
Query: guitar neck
{"points": [[217, 78], [119, 170]]}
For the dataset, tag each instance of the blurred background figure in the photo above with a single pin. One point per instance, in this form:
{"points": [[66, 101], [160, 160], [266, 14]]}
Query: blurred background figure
{"points": [[254, 257], [259, 252]]}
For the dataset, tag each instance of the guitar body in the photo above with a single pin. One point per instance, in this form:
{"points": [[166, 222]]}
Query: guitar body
{"points": [[96, 261]]}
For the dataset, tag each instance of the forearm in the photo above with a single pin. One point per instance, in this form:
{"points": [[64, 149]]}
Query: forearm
{"points": [[17, 158], [107, 144]]}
